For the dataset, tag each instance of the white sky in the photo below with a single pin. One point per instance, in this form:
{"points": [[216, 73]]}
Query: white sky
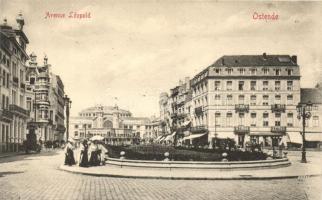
{"points": [[134, 50]]}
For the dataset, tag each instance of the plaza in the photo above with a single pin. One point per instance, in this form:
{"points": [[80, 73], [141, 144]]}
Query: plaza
{"points": [[37, 176]]}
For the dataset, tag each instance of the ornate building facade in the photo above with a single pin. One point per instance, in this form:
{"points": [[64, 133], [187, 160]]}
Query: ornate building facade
{"points": [[13, 113]]}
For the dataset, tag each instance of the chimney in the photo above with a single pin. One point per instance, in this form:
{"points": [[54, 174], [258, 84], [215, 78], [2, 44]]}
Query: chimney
{"points": [[223, 61], [294, 59], [264, 56]]}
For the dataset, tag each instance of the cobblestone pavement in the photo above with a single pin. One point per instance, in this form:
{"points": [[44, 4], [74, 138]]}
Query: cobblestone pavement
{"points": [[37, 177]]}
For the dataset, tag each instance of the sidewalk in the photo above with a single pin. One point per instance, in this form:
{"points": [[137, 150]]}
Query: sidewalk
{"points": [[11, 154], [296, 170]]}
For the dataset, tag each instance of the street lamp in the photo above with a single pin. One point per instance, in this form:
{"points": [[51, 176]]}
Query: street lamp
{"points": [[303, 110], [68, 104]]}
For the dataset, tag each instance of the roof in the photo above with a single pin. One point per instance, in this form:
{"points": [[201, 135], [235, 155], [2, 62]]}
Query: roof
{"points": [[314, 95], [256, 60], [106, 109]]}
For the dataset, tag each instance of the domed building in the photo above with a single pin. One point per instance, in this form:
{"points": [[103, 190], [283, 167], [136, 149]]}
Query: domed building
{"points": [[117, 125]]}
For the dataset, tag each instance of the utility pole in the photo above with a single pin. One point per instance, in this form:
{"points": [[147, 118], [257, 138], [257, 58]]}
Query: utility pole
{"points": [[68, 104]]}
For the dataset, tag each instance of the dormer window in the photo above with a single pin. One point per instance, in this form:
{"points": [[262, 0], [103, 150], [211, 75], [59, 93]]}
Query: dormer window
{"points": [[217, 71], [242, 71], [266, 71], [289, 72], [253, 71], [230, 71], [277, 72]]}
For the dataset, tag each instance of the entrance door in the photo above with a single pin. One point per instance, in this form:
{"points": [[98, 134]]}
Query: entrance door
{"points": [[241, 139]]}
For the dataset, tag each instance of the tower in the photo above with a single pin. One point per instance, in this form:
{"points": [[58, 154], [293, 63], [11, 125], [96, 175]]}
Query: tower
{"points": [[20, 20]]}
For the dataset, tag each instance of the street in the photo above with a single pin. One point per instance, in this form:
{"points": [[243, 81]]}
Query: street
{"points": [[36, 177]]}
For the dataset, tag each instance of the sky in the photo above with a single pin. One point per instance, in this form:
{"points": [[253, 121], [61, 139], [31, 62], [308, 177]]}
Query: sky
{"points": [[128, 52]]}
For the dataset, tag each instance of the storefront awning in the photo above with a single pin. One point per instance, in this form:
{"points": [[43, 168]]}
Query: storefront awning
{"points": [[313, 137], [193, 136], [295, 137]]}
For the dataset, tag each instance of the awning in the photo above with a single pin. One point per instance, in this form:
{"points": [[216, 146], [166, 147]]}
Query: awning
{"points": [[295, 137], [313, 137], [193, 136]]}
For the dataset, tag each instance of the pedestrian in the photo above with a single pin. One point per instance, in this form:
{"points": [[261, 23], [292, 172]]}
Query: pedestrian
{"points": [[83, 160], [103, 151], [69, 154], [93, 152]]}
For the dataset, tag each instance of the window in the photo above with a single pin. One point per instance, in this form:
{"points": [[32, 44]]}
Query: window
{"points": [[289, 85], [217, 85], [217, 119], [241, 85], [230, 71], [242, 71], [278, 72], [289, 99], [277, 119], [265, 100], [229, 85], [290, 119], [217, 71], [253, 100], [315, 121], [265, 120], [241, 99], [229, 117], [32, 80], [241, 117], [290, 72], [265, 85], [230, 99], [253, 71], [277, 99], [14, 97], [253, 119], [277, 85], [253, 85], [76, 125], [217, 99], [266, 71]]}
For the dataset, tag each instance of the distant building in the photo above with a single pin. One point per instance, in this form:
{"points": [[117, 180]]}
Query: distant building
{"points": [[313, 127]]}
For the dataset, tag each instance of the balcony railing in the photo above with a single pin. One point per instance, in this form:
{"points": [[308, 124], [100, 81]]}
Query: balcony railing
{"points": [[278, 108], [241, 129], [278, 129], [19, 110], [242, 108], [198, 129], [198, 111]]}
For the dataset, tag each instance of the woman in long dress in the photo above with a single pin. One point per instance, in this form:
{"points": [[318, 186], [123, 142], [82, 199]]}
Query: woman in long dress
{"points": [[69, 154], [83, 160], [93, 151]]}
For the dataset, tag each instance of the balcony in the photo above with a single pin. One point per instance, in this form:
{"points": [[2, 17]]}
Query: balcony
{"points": [[199, 129], [241, 129], [19, 110], [181, 115], [278, 108], [6, 115], [241, 108], [278, 129], [198, 111]]}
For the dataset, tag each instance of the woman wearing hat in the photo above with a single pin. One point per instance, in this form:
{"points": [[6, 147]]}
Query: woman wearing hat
{"points": [[83, 160], [69, 154]]}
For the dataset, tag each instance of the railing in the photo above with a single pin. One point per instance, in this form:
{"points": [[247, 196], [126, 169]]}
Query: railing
{"points": [[242, 108], [198, 111], [198, 129], [278, 108], [278, 129], [6, 114], [241, 129], [18, 110]]}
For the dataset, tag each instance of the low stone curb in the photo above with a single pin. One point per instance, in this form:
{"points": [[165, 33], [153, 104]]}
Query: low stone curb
{"points": [[240, 177]]}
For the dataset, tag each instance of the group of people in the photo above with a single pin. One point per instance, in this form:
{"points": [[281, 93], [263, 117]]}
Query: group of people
{"points": [[88, 154]]}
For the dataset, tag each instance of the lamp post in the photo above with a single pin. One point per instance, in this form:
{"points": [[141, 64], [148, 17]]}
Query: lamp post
{"points": [[68, 104], [303, 110]]}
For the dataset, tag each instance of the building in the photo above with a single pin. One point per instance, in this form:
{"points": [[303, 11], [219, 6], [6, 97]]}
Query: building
{"points": [[116, 125], [313, 132], [247, 98], [13, 113], [165, 119], [45, 101]]}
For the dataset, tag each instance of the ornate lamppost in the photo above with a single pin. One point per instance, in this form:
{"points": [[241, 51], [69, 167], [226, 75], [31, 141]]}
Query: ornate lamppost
{"points": [[68, 104], [304, 113]]}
